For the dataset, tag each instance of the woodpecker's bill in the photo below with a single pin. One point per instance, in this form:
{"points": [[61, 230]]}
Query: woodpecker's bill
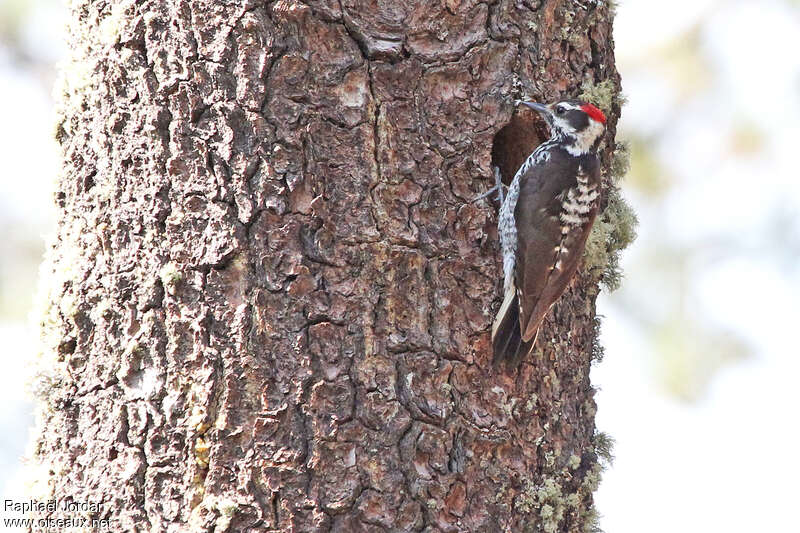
{"points": [[544, 221]]}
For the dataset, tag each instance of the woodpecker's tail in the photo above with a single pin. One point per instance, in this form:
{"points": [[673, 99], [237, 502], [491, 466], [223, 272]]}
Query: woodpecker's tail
{"points": [[507, 343]]}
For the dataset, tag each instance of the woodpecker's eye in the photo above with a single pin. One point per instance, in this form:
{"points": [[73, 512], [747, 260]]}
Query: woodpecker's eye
{"points": [[560, 110]]}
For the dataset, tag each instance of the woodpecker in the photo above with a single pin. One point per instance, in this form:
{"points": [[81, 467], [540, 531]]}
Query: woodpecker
{"points": [[544, 221]]}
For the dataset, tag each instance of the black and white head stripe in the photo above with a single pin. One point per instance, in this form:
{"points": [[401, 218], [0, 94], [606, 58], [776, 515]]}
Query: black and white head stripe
{"points": [[579, 122]]}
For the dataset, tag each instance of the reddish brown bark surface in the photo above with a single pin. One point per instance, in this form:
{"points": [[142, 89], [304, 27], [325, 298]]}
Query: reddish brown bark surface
{"points": [[271, 302]]}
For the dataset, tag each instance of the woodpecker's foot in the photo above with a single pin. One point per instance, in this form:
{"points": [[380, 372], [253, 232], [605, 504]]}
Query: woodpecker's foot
{"points": [[498, 182], [498, 186], [484, 195]]}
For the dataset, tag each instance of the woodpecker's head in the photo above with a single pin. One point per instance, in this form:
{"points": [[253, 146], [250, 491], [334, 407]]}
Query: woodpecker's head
{"points": [[579, 124]]}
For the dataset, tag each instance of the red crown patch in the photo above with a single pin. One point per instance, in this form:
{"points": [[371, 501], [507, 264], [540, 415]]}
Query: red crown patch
{"points": [[593, 112]]}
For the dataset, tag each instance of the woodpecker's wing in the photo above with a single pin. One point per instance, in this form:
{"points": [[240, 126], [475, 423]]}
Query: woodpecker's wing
{"points": [[549, 247]]}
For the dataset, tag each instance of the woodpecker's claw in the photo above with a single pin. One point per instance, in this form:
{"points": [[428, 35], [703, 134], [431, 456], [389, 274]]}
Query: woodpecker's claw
{"points": [[498, 182], [484, 195], [498, 186]]}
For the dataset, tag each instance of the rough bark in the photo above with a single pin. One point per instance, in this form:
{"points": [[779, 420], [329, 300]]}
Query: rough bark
{"points": [[268, 303]]}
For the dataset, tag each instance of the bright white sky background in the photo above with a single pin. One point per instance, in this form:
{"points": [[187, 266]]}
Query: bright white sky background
{"points": [[699, 385]]}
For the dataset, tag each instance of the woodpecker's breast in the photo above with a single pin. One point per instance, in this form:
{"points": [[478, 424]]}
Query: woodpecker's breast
{"points": [[577, 204]]}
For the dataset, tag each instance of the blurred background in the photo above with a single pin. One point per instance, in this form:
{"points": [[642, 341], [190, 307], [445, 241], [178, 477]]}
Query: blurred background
{"points": [[699, 385], [31, 42]]}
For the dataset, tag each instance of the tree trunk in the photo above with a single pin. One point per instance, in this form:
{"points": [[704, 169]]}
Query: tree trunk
{"points": [[268, 304]]}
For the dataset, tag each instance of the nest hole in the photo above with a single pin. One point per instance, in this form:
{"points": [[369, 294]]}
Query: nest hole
{"points": [[513, 144]]}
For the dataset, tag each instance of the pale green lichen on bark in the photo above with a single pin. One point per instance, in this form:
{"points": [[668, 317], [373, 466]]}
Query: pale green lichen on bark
{"points": [[604, 447], [548, 503], [604, 94], [551, 507], [613, 230], [574, 462], [566, 27]]}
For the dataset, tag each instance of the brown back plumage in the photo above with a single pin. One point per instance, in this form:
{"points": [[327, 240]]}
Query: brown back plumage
{"points": [[543, 271], [547, 255]]}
